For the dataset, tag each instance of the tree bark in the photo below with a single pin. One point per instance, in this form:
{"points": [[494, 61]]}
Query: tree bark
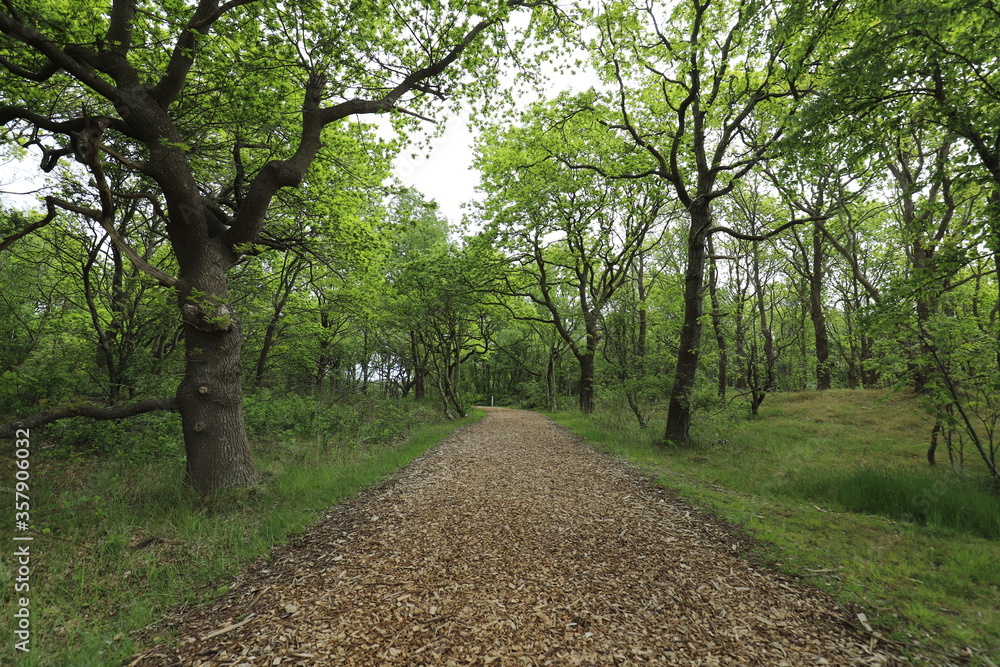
{"points": [[210, 395], [550, 380], [90, 411], [587, 361], [720, 338], [679, 408], [587, 382], [817, 313]]}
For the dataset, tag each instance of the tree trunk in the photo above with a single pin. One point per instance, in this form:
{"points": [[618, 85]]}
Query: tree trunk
{"points": [[210, 396], [419, 368], [769, 383], [286, 286], [740, 346], [550, 380], [260, 367], [817, 313], [720, 338], [679, 408], [587, 380]]}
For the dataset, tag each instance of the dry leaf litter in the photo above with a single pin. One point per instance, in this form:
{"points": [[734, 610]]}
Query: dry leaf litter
{"points": [[514, 543]]}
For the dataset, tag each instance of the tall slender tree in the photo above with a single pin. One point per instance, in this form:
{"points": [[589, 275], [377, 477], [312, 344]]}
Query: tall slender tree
{"points": [[705, 89]]}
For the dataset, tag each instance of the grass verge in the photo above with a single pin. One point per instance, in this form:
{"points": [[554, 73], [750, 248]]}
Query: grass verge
{"points": [[834, 488], [119, 542]]}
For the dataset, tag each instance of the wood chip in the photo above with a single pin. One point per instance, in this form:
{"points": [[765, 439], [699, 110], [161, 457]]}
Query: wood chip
{"points": [[514, 543]]}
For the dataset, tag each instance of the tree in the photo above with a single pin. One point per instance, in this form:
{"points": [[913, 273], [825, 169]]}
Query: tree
{"points": [[450, 320], [572, 238], [705, 94], [213, 129]]}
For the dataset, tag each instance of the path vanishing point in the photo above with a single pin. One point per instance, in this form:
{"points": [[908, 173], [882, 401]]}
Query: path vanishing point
{"points": [[514, 543]]}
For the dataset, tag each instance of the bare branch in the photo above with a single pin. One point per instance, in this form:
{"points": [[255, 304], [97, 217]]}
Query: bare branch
{"points": [[415, 115]]}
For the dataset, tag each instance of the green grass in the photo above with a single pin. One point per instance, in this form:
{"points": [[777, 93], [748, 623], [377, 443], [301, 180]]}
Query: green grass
{"points": [[118, 542], [834, 488], [942, 501]]}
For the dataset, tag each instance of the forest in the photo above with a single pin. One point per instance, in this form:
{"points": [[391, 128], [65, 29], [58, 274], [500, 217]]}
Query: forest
{"points": [[753, 197], [747, 198]]}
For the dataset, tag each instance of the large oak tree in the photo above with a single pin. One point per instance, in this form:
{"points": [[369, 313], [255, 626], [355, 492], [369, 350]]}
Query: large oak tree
{"points": [[215, 107]]}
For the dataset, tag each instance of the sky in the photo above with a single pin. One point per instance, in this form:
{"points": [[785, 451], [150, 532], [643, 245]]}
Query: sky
{"points": [[443, 171]]}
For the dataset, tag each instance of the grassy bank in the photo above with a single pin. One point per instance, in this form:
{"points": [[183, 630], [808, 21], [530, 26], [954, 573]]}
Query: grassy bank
{"points": [[118, 541], [835, 488]]}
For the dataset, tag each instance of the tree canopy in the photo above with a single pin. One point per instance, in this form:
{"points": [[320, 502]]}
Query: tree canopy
{"points": [[816, 183]]}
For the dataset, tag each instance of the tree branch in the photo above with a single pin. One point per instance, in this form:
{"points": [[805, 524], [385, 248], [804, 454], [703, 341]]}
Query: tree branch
{"points": [[773, 232], [49, 217], [64, 127], [13, 27], [88, 410], [41, 75], [119, 35], [208, 12], [161, 276], [288, 173]]}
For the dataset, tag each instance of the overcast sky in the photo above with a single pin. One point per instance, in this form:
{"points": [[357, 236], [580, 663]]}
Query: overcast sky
{"points": [[443, 171]]}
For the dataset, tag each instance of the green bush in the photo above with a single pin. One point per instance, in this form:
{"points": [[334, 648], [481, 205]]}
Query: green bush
{"points": [[359, 420], [146, 437]]}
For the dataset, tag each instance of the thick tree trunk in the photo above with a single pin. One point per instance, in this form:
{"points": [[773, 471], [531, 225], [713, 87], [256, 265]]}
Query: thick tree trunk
{"points": [[679, 408], [210, 396], [587, 364]]}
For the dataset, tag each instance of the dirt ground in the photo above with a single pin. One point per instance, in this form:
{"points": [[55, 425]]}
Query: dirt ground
{"points": [[513, 543]]}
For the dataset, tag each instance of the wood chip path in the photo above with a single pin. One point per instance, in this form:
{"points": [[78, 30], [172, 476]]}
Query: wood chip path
{"points": [[514, 543]]}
